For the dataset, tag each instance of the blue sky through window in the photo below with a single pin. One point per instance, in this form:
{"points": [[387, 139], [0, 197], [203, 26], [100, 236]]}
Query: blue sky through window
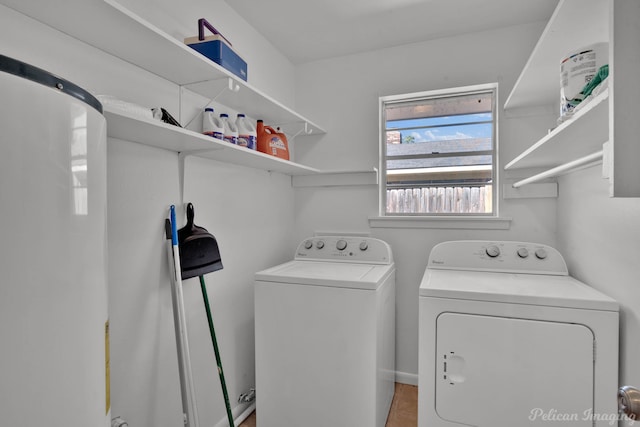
{"points": [[444, 128]]}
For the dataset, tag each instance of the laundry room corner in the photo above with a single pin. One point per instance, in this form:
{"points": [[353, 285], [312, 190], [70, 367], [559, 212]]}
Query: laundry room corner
{"points": [[344, 93]]}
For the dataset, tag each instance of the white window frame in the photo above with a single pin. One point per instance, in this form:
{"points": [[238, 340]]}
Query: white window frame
{"points": [[464, 90]]}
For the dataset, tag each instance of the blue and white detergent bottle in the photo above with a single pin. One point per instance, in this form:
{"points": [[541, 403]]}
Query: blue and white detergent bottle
{"points": [[247, 136], [212, 125], [230, 130]]}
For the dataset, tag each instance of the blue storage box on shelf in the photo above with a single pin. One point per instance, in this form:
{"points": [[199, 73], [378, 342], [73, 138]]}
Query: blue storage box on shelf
{"points": [[218, 49]]}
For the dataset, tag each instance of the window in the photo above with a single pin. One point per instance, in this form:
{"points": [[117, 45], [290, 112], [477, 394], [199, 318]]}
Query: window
{"points": [[438, 152]]}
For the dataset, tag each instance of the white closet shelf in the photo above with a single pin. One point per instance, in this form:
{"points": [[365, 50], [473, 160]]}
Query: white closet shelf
{"points": [[583, 134], [589, 159], [161, 135], [574, 25], [110, 27], [239, 96]]}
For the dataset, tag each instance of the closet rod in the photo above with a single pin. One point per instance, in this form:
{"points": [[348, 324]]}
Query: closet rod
{"points": [[560, 169]]}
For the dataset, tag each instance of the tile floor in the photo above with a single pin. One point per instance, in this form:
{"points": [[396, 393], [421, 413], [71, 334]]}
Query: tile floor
{"points": [[403, 413]]}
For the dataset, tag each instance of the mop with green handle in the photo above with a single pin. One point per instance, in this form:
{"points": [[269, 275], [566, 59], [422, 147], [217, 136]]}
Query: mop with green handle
{"points": [[199, 254], [216, 351]]}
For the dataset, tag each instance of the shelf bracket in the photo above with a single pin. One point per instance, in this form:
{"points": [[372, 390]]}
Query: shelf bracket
{"points": [[307, 130], [231, 86]]}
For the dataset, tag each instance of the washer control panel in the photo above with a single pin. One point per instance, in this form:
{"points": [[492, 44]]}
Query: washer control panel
{"points": [[345, 248], [499, 256]]}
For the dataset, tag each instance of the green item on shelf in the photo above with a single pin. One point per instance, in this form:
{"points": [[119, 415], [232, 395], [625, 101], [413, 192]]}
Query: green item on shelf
{"points": [[602, 74], [599, 77]]}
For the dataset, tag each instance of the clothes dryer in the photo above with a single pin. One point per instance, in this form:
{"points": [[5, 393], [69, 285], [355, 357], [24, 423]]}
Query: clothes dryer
{"points": [[507, 338], [325, 335]]}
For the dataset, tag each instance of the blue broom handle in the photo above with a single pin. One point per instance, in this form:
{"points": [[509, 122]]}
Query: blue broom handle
{"points": [[174, 229]]}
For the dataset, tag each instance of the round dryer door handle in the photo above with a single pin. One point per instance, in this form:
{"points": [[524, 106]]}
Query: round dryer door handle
{"points": [[629, 401]]}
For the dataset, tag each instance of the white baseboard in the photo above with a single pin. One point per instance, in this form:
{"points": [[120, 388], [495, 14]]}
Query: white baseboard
{"points": [[406, 378], [238, 417]]}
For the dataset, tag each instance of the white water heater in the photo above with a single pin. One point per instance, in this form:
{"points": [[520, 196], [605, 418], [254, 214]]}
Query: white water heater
{"points": [[54, 327]]}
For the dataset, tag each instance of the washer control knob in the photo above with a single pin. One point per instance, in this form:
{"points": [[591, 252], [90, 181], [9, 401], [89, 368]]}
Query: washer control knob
{"points": [[364, 246], [341, 245], [523, 252], [493, 251], [319, 244], [541, 253], [308, 244]]}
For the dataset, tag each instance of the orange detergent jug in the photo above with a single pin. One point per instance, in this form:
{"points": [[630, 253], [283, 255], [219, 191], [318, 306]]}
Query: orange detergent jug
{"points": [[272, 142]]}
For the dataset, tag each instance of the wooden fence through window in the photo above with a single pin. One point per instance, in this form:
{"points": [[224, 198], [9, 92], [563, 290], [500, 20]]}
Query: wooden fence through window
{"points": [[463, 200]]}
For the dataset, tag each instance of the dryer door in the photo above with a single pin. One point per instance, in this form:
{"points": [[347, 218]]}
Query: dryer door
{"points": [[497, 371]]}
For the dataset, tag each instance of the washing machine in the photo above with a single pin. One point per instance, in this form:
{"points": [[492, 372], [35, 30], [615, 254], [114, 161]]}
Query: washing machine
{"points": [[508, 338], [325, 335]]}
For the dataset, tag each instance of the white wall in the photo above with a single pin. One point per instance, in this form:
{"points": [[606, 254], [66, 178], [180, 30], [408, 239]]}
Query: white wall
{"points": [[342, 94], [249, 211], [600, 238]]}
